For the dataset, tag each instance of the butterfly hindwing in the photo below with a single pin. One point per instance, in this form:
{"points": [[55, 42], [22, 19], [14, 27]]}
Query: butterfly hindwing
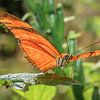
{"points": [[85, 55]]}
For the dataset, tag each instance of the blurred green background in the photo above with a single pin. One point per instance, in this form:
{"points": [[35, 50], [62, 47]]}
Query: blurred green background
{"points": [[74, 21]]}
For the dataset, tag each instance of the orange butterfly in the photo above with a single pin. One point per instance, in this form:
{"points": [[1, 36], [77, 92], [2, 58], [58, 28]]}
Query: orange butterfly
{"points": [[39, 51]]}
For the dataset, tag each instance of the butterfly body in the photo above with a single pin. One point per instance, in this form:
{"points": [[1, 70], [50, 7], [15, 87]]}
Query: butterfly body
{"points": [[39, 51]]}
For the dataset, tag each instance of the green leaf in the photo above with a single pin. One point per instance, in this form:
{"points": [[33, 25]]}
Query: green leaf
{"points": [[39, 92], [54, 79]]}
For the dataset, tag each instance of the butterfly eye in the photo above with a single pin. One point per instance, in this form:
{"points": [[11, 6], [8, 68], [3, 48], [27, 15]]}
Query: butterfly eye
{"points": [[68, 57]]}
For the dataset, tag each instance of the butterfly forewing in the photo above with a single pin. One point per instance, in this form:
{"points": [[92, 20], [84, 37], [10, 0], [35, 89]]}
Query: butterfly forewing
{"points": [[22, 30], [38, 56]]}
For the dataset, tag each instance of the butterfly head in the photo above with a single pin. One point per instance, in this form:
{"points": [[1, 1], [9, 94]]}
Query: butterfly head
{"points": [[68, 57], [63, 60]]}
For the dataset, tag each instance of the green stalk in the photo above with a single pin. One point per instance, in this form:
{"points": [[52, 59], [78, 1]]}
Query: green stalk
{"points": [[96, 95], [60, 23], [77, 66]]}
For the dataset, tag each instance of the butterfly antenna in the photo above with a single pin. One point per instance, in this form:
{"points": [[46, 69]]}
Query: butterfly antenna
{"points": [[90, 45]]}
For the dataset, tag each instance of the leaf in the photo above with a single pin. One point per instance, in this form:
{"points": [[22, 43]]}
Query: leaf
{"points": [[26, 79], [39, 92], [54, 79]]}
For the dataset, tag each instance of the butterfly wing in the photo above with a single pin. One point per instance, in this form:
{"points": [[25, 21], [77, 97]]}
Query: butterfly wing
{"points": [[85, 55], [37, 55], [22, 30], [31, 42]]}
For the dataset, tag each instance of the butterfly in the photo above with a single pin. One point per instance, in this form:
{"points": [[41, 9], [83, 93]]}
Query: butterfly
{"points": [[39, 51]]}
